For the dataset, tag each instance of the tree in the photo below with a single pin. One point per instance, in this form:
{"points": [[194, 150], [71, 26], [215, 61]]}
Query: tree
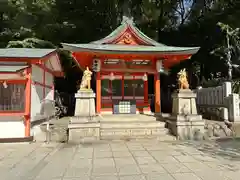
{"points": [[229, 50]]}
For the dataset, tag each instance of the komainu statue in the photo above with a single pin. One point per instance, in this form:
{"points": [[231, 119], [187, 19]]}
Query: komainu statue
{"points": [[86, 80], [182, 79]]}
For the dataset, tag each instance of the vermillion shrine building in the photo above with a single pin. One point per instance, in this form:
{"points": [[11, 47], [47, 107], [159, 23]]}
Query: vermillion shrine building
{"points": [[122, 62]]}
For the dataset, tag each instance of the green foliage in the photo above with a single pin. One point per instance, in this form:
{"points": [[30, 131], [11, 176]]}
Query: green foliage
{"points": [[47, 23], [31, 43]]}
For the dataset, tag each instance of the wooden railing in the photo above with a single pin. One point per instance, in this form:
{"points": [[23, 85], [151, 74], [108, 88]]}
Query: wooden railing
{"points": [[12, 97]]}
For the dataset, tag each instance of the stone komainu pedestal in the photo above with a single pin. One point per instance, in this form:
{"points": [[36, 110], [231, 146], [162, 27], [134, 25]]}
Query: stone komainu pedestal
{"points": [[184, 122], [84, 125]]}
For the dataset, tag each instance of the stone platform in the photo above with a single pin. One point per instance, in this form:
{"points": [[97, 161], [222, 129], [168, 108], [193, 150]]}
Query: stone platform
{"points": [[119, 127], [86, 125]]}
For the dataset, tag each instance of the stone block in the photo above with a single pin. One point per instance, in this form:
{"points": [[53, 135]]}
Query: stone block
{"points": [[84, 131], [187, 130]]}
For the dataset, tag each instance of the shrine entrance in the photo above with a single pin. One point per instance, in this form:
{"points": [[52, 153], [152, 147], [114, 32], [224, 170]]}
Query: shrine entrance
{"points": [[123, 90]]}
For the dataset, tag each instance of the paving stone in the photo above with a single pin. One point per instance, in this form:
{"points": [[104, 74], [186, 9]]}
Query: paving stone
{"points": [[140, 153], [176, 168], [103, 147], [117, 154], [152, 168], [233, 175], [81, 163], [128, 170], [104, 178], [185, 158], [101, 162], [116, 147], [186, 176], [197, 166], [104, 170], [77, 172], [145, 160], [132, 177], [210, 175], [161, 147], [124, 161], [136, 148], [165, 159], [159, 177], [103, 154], [83, 177], [215, 166], [204, 157]]}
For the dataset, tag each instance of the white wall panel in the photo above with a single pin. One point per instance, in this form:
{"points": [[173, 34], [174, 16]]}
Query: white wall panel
{"points": [[36, 101], [49, 79], [37, 74], [14, 129], [49, 94]]}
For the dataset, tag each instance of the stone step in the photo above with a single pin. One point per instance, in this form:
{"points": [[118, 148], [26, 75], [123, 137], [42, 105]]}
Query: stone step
{"points": [[132, 124], [126, 118], [132, 133], [132, 130]]}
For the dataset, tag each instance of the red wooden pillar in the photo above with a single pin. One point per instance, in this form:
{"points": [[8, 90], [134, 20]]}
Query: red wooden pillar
{"points": [[98, 93], [145, 84], [157, 93], [28, 103]]}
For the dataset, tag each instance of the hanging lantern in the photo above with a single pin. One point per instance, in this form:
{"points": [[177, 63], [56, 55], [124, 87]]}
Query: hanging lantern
{"points": [[159, 66], [5, 84], [112, 77], [145, 77]]}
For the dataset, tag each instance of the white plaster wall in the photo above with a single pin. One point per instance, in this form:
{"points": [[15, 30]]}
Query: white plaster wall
{"points": [[49, 79], [37, 74], [36, 102], [14, 129], [49, 94], [39, 105]]}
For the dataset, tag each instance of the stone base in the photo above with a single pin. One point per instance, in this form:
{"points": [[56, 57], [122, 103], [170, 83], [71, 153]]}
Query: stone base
{"points": [[185, 130], [184, 102], [85, 103]]}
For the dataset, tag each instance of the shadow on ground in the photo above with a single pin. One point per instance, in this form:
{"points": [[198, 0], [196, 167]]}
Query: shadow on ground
{"points": [[226, 149]]}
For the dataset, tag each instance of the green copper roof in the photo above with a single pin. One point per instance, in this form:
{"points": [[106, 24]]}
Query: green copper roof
{"points": [[8, 68], [151, 46], [112, 48], [24, 52], [127, 22]]}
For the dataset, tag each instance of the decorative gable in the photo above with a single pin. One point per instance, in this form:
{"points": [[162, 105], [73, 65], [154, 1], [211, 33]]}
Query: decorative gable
{"points": [[127, 34], [127, 39], [53, 63]]}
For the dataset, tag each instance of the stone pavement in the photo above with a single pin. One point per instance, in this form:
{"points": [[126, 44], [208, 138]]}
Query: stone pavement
{"points": [[119, 160]]}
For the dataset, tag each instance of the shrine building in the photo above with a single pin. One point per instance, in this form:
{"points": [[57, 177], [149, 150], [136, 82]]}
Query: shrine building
{"points": [[26, 91], [123, 61]]}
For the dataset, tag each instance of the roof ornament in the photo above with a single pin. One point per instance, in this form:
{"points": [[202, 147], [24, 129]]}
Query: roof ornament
{"points": [[128, 20], [127, 17]]}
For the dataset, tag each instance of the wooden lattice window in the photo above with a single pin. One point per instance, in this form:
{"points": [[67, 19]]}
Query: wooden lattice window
{"points": [[12, 97]]}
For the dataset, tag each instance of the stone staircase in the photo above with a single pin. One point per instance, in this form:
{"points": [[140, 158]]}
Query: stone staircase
{"points": [[126, 127], [112, 127]]}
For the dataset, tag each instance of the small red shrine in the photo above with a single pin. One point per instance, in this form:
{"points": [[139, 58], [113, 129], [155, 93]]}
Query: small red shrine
{"points": [[26, 87], [122, 62]]}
